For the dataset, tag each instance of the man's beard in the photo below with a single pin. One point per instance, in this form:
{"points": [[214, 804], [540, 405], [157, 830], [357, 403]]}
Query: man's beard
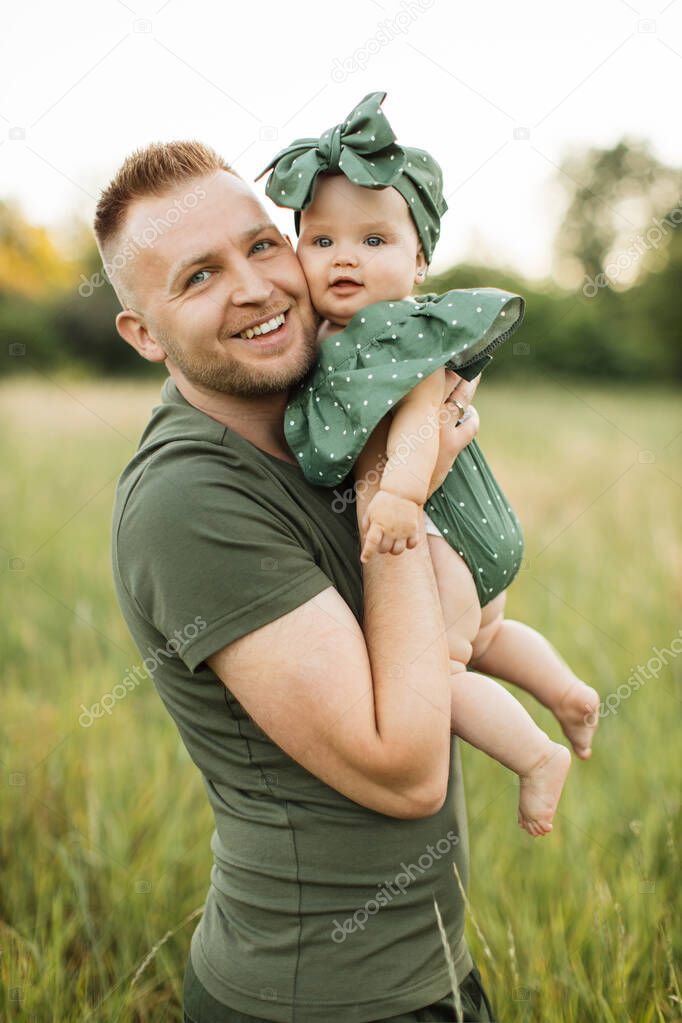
{"points": [[230, 376]]}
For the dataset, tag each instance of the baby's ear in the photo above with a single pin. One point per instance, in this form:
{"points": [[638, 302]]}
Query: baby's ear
{"points": [[421, 267]]}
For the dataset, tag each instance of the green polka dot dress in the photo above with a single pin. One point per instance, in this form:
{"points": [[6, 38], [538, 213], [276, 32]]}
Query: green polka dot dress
{"points": [[364, 370]]}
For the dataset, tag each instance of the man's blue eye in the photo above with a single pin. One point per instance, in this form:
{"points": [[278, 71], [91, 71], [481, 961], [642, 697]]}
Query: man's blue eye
{"points": [[263, 242], [191, 279], [374, 238]]}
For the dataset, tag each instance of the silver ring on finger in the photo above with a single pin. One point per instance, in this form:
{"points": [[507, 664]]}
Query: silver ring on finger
{"points": [[462, 408]]}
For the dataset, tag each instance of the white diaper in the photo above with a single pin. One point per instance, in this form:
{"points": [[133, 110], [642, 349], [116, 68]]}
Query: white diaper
{"points": [[431, 526]]}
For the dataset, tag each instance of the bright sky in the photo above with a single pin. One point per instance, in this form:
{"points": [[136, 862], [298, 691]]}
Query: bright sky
{"points": [[498, 92]]}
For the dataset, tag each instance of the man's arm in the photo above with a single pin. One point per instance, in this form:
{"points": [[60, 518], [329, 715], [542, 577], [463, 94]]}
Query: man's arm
{"points": [[307, 680], [367, 714]]}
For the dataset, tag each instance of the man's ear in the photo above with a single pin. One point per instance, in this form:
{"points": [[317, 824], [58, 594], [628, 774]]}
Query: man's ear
{"points": [[421, 267], [130, 326]]}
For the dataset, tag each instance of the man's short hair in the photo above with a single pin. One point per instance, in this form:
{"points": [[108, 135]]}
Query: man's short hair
{"points": [[151, 171]]}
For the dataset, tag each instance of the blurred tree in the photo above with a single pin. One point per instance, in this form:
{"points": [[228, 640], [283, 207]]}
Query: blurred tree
{"points": [[652, 309], [30, 264], [616, 199]]}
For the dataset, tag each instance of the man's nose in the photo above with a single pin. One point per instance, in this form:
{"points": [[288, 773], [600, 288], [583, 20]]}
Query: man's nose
{"points": [[249, 285]]}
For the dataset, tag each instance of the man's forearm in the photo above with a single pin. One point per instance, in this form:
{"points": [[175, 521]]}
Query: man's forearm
{"points": [[407, 646], [405, 634]]}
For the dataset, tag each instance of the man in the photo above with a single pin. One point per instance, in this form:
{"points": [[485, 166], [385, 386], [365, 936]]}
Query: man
{"points": [[299, 681]]}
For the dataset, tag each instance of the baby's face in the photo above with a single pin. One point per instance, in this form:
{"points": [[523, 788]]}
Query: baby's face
{"points": [[357, 246]]}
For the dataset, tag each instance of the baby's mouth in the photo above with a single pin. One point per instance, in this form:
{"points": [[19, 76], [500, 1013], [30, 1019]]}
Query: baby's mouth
{"points": [[345, 285]]}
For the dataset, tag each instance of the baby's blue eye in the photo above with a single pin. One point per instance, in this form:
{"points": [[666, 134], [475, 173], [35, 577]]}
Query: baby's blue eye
{"points": [[323, 243], [374, 241]]}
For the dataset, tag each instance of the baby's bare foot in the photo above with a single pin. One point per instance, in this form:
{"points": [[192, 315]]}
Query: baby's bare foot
{"points": [[541, 789], [578, 714]]}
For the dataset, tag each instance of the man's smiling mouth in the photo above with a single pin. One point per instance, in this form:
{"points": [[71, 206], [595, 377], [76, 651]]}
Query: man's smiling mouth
{"points": [[263, 327]]}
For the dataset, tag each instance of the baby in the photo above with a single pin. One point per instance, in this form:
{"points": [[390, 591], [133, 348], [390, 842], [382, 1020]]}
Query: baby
{"points": [[368, 216]]}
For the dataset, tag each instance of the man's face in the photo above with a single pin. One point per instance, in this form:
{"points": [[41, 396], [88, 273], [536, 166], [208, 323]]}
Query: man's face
{"points": [[221, 270]]}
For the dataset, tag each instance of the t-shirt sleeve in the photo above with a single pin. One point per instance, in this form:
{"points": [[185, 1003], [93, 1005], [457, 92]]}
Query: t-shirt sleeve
{"points": [[210, 555]]}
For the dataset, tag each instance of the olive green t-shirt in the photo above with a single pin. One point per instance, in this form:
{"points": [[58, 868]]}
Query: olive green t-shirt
{"points": [[317, 908]]}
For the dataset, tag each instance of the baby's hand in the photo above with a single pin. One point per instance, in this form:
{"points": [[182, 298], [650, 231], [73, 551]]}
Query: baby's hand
{"points": [[392, 524]]}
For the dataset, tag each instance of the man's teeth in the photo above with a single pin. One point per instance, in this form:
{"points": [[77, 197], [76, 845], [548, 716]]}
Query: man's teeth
{"points": [[263, 328]]}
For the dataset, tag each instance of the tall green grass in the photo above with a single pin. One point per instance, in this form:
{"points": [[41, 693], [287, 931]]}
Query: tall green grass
{"points": [[105, 830]]}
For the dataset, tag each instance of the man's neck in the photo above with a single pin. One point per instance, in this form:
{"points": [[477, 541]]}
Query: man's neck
{"points": [[259, 420]]}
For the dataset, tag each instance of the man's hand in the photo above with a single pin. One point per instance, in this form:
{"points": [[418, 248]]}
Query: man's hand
{"points": [[391, 524], [454, 439]]}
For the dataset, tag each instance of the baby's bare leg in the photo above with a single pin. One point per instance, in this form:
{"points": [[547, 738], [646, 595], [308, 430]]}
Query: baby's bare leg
{"points": [[458, 598], [485, 715], [516, 653], [483, 712]]}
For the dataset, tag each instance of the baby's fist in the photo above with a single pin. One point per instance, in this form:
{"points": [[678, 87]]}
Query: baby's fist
{"points": [[392, 524]]}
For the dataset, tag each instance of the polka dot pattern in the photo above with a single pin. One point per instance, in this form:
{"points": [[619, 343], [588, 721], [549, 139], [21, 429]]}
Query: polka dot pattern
{"points": [[457, 506], [364, 370]]}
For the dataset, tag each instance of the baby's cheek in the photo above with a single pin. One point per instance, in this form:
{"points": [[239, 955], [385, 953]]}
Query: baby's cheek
{"points": [[317, 297], [314, 277]]}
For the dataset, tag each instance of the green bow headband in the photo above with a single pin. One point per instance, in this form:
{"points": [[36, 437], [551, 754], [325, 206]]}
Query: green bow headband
{"points": [[363, 148]]}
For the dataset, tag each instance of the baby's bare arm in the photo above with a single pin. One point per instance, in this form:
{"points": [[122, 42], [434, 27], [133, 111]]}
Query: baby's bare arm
{"points": [[408, 474], [378, 505]]}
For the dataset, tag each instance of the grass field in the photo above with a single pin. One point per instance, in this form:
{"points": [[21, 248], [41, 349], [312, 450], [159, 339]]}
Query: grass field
{"points": [[104, 844]]}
